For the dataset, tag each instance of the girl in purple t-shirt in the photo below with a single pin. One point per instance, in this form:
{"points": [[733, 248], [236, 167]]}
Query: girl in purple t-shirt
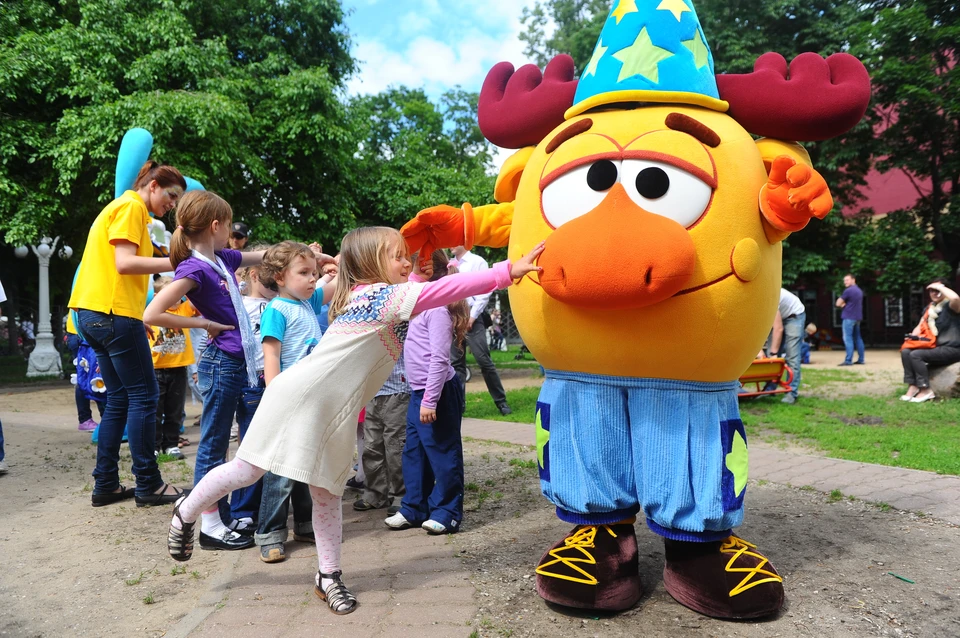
{"points": [[205, 275]]}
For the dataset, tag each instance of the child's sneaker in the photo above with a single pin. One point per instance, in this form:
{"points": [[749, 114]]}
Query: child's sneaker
{"points": [[398, 521], [174, 452], [273, 553], [353, 483], [433, 527], [305, 538], [88, 426]]}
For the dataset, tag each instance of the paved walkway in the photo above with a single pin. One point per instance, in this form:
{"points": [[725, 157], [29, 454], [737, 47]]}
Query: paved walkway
{"points": [[411, 584]]}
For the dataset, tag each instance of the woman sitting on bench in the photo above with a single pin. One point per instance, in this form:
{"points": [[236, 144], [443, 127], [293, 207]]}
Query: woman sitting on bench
{"points": [[934, 342]]}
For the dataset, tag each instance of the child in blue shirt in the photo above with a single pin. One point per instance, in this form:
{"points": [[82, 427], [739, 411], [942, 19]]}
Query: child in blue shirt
{"points": [[289, 331]]}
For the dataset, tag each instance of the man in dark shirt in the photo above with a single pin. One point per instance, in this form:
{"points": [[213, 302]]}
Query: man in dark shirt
{"points": [[852, 303]]}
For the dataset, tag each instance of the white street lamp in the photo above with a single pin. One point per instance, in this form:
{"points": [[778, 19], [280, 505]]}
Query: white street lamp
{"points": [[44, 360]]}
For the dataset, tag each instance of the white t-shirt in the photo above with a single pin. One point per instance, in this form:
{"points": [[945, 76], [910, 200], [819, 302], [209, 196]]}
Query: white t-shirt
{"points": [[473, 263], [790, 304], [254, 307]]}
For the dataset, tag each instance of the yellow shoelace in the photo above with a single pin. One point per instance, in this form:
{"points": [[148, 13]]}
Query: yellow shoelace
{"points": [[739, 547], [580, 541]]}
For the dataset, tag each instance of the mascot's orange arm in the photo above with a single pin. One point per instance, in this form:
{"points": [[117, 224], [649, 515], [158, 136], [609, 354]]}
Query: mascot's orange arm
{"points": [[447, 226]]}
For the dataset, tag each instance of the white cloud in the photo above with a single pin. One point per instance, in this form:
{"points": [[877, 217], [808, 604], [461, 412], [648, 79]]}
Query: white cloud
{"points": [[438, 62]]}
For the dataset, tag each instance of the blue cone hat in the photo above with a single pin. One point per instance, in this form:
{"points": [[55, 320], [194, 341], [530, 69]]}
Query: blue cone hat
{"points": [[649, 51]]}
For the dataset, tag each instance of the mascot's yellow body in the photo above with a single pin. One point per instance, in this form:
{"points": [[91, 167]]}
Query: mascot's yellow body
{"points": [[662, 221], [605, 324]]}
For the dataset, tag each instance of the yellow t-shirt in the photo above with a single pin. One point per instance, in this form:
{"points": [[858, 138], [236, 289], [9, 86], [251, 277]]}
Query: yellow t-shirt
{"points": [[99, 287], [171, 347]]}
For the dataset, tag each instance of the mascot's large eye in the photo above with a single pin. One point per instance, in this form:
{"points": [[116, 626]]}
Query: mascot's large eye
{"points": [[666, 190], [578, 192]]}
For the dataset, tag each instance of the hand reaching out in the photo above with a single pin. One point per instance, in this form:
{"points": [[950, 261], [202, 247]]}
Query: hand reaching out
{"points": [[527, 263]]}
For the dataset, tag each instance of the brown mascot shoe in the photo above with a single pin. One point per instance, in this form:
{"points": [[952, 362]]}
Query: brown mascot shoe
{"points": [[594, 567], [727, 579]]}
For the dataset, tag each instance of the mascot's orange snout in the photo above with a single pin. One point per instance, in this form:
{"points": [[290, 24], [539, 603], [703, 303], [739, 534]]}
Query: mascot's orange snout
{"points": [[646, 259]]}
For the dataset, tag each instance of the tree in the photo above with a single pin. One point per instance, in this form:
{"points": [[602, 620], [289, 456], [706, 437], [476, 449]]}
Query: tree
{"points": [[577, 25], [415, 154], [896, 251], [239, 94], [911, 50]]}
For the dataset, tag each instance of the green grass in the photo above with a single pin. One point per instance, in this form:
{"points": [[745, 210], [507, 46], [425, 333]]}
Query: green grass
{"points": [[523, 402], [13, 371], [507, 359], [880, 430]]}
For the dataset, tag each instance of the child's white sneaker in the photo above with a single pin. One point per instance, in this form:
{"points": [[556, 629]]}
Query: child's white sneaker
{"points": [[433, 527], [397, 521]]}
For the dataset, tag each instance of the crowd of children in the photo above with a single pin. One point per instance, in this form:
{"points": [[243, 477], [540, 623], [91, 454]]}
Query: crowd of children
{"points": [[295, 390]]}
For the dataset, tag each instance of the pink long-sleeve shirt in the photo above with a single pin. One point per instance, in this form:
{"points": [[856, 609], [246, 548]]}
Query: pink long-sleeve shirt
{"points": [[430, 333]]}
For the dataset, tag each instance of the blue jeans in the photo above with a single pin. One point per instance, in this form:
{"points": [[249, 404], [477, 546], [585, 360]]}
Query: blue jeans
{"points": [[851, 338], [278, 491], [792, 338], [126, 365], [221, 379], [433, 460], [245, 502], [83, 403]]}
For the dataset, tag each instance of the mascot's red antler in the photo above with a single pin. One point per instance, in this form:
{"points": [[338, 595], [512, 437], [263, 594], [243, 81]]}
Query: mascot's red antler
{"points": [[818, 99], [520, 109]]}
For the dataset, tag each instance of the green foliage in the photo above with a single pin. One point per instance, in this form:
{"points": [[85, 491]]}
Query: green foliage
{"points": [[897, 251], [241, 95], [577, 27], [911, 50], [414, 154]]}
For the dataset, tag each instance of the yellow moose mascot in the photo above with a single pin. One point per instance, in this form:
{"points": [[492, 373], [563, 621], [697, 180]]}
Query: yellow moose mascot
{"points": [[658, 210]]}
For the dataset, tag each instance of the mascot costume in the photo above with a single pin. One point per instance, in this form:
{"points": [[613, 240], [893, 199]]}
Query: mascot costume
{"points": [[658, 210]]}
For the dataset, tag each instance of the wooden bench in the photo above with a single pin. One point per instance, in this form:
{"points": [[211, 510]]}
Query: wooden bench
{"points": [[763, 372]]}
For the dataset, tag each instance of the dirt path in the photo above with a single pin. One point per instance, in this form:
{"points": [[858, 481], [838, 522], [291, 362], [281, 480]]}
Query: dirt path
{"points": [[69, 569]]}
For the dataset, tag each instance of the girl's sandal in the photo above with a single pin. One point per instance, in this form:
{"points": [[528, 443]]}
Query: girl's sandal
{"points": [[338, 597], [180, 541]]}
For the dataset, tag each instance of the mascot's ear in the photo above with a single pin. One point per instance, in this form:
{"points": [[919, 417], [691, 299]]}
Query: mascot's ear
{"points": [[771, 148], [509, 178]]}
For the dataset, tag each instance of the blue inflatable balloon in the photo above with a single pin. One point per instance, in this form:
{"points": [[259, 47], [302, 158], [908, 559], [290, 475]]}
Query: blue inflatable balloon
{"points": [[193, 185], [134, 152]]}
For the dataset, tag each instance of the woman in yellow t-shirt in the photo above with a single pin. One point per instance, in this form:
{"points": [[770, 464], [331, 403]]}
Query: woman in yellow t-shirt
{"points": [[109, 296]]}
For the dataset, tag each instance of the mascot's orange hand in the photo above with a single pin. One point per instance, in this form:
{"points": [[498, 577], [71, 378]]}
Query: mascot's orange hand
{"points": [[793, 194], [433, 228]]}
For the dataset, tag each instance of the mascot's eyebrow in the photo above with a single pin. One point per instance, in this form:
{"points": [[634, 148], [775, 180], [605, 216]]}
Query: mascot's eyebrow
{"points": [[581, 126], [690, 126]]}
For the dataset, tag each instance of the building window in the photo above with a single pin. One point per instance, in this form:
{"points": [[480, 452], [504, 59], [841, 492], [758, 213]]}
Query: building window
{"points": [[837, 312], [893, 312]]}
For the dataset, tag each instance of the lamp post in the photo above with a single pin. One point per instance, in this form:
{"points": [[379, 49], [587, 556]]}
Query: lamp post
{"points": [[44, 360]]}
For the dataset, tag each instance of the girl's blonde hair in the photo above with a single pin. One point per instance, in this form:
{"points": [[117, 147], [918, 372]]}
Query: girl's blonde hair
{"points": [[278, 258], [195, 212], [459, 310], [364, 255]]}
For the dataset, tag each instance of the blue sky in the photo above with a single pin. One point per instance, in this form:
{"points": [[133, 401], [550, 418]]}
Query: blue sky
{"points": [[434, 44]]}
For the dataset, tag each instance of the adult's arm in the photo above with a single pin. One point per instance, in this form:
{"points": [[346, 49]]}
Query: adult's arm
{"points": [[130, 263], [952, 297], [777, 337]]}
